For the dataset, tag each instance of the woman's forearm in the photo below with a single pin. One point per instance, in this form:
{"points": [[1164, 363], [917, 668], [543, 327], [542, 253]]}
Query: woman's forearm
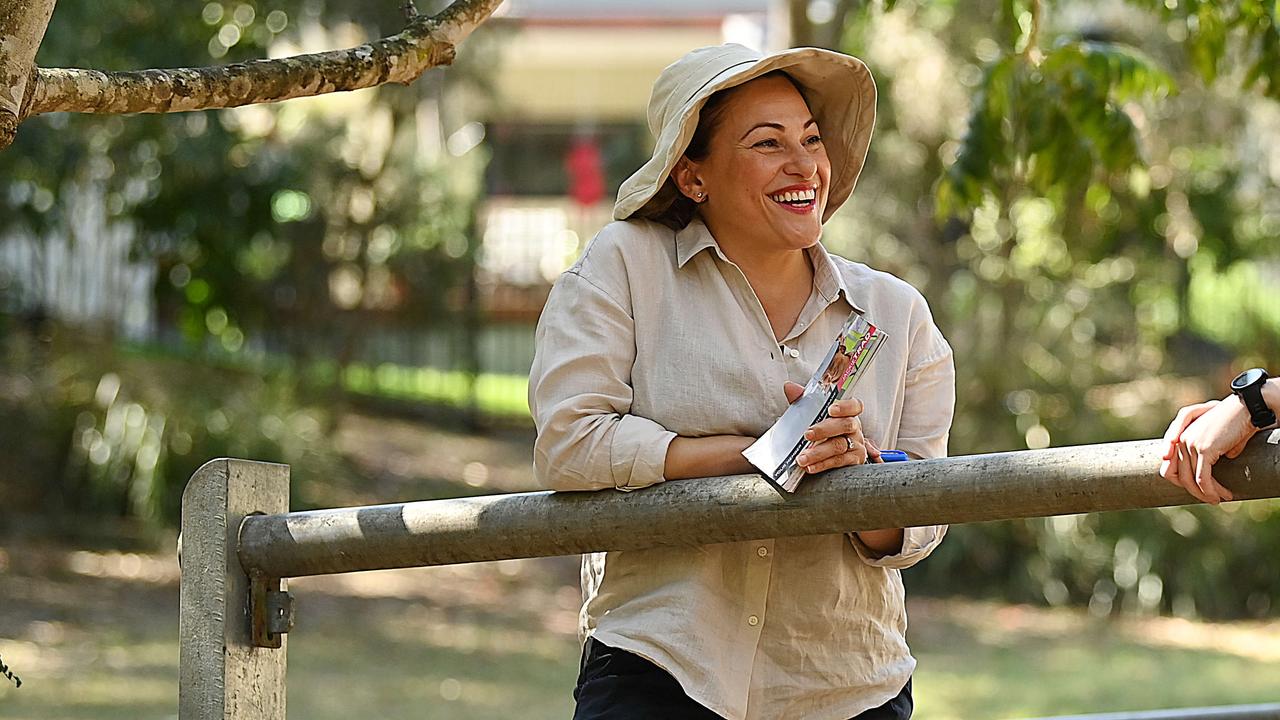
{"points": [[885, 542], [722, 455], [1271, 394], [706, 456]]}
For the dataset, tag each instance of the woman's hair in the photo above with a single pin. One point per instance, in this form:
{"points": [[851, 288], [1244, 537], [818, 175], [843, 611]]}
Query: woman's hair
{"points": [[669, 206]]}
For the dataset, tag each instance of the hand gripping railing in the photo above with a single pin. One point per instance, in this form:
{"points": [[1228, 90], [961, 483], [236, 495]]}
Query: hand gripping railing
{"points": [[240, 543]]}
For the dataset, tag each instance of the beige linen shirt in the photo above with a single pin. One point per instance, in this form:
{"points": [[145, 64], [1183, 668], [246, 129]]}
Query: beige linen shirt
{"points": [[655, 333]]}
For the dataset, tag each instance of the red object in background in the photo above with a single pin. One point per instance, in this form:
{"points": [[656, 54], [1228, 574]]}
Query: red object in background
{"points": [[585, 167]]}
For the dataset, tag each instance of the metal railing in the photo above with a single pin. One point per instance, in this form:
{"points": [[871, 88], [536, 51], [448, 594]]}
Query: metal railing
{"points": [[1270, 711], [241, 543]]}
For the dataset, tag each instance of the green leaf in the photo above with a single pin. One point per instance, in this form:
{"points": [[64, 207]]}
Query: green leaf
{"points": [[1208, 41], [1010, 22], [985, 147], [1121, 72]]}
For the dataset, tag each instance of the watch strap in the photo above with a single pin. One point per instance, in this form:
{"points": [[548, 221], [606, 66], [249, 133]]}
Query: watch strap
{"points": [[1261, 415]]}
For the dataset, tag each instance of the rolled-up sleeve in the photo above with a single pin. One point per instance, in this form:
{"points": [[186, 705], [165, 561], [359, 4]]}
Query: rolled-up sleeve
{"points": [[917, 543], [929, 397], [927, 409], [580, 395]]}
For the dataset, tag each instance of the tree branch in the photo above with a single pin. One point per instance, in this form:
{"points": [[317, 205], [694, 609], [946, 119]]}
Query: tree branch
{"points": [[22, 26], [1032, 51], [425, 43]]}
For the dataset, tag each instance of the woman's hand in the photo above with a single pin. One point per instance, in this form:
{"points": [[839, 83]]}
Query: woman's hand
{"points": [[836, 441], [1198, 437]]}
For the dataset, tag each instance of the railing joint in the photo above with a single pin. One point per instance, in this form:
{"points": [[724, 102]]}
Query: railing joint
{"points": [[270, 611]]}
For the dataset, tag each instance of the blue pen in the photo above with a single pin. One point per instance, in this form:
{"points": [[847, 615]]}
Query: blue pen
{"points": [[893, 456]]}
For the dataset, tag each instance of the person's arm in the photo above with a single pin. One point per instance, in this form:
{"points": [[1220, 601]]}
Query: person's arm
{"points": [[580, 398], [927, 409], [707, 457], [580, 395], [1202, 434]]}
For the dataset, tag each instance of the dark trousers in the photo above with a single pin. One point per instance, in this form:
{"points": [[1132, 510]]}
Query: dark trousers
{"points": [[617, 685]]}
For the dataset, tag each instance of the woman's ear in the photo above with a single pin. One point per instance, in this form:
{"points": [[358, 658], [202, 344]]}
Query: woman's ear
{"points": [[685, 176]]}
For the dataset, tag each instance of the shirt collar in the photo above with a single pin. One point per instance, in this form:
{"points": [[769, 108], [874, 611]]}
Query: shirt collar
{"points": [[693, 239], [827, 278]]}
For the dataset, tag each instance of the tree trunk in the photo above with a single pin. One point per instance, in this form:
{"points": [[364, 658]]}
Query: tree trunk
{"points": [[22, 26], [828, 34], [427, 42]]}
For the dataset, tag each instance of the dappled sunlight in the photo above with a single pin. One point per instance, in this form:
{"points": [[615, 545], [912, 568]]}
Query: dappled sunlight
{"points": [[543, 591], [1001, 624], [975, 656], [124, 566], [1251, 640]]}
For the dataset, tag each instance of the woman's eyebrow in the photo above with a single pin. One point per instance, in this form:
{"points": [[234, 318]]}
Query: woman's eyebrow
{"points": [[775, 126]]}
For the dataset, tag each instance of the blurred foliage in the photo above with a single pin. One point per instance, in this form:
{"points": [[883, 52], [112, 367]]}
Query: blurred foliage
{"points": [[1051, 125], [293, 223], [283, 233], [1086, 192], [101, 433], [1191, 561], [1245, 32], [1102, 226]]}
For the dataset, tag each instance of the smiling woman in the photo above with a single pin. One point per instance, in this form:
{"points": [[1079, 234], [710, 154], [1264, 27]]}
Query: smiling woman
{"points": [[677, 339]]}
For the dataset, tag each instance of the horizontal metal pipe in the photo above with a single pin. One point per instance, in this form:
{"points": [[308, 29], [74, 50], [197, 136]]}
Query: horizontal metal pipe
{"points": [[1000, 486], [1227, 712]]}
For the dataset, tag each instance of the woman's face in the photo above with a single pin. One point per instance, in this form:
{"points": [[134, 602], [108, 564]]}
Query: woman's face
{"points": [[766, 171]]}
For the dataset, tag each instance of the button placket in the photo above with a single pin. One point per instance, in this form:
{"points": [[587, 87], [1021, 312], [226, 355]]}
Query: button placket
{"points": [[761, 571]]}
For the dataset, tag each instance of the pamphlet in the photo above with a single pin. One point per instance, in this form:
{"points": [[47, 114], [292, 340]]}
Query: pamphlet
{"points": [[844, 364]]}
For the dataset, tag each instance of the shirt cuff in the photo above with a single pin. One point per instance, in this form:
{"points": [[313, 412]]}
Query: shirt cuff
{"points": [[917, 543], [638, 452]]}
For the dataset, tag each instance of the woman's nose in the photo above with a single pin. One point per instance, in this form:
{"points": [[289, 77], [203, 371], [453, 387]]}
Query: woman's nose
{"points": [[801, 162]]}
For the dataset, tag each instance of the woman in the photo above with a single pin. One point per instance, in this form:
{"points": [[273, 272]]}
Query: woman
{"points": [[679, 337]]}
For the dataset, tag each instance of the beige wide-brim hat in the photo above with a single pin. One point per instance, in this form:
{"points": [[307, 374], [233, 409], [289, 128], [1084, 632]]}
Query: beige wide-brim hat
{"points": [[838, 89]]}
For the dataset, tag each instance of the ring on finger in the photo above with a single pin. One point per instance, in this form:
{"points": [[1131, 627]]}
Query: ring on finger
{"points": [[848, 443]]}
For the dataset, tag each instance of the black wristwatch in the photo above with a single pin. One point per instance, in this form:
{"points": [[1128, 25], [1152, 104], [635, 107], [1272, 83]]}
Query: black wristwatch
{"points": [[1248, 385]]}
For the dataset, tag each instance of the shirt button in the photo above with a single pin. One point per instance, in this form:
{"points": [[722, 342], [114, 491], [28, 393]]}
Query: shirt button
{"points": [[762, 551], [793, 352], [753, 621]]}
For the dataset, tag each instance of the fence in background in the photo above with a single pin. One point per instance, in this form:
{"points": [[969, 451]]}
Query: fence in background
{"points": [[241, 544]]}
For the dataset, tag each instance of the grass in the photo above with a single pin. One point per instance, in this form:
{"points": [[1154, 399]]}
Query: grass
{"points": [[94, 635], [496, 395], [983, 660]]}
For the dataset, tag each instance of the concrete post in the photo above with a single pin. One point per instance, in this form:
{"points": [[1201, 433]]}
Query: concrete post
{"points": [[223, 676]]}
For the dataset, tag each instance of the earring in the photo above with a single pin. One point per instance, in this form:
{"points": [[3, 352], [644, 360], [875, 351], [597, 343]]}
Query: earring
{"points": [[701, 195]]}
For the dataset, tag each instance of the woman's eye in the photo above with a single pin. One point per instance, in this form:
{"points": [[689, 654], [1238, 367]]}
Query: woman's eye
{"points": [[766, 143], [813, 140]]}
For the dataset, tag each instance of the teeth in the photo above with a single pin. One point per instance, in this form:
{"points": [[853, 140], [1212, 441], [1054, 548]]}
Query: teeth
{"points": [[795, 196]]}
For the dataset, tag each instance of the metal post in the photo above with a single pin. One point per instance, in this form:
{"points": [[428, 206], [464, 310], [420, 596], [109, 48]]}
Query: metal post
{"points": [[223, 675], [1229, 712]]}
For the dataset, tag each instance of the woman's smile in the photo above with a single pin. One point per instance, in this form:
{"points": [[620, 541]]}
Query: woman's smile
{"points": [[798, 199]]}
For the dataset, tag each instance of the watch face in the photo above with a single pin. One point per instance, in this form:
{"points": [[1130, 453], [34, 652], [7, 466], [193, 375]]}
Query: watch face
{"points": [[1248, 378]]}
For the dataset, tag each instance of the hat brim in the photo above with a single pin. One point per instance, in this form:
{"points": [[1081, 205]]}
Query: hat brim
{"points": [[839, 91]]}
